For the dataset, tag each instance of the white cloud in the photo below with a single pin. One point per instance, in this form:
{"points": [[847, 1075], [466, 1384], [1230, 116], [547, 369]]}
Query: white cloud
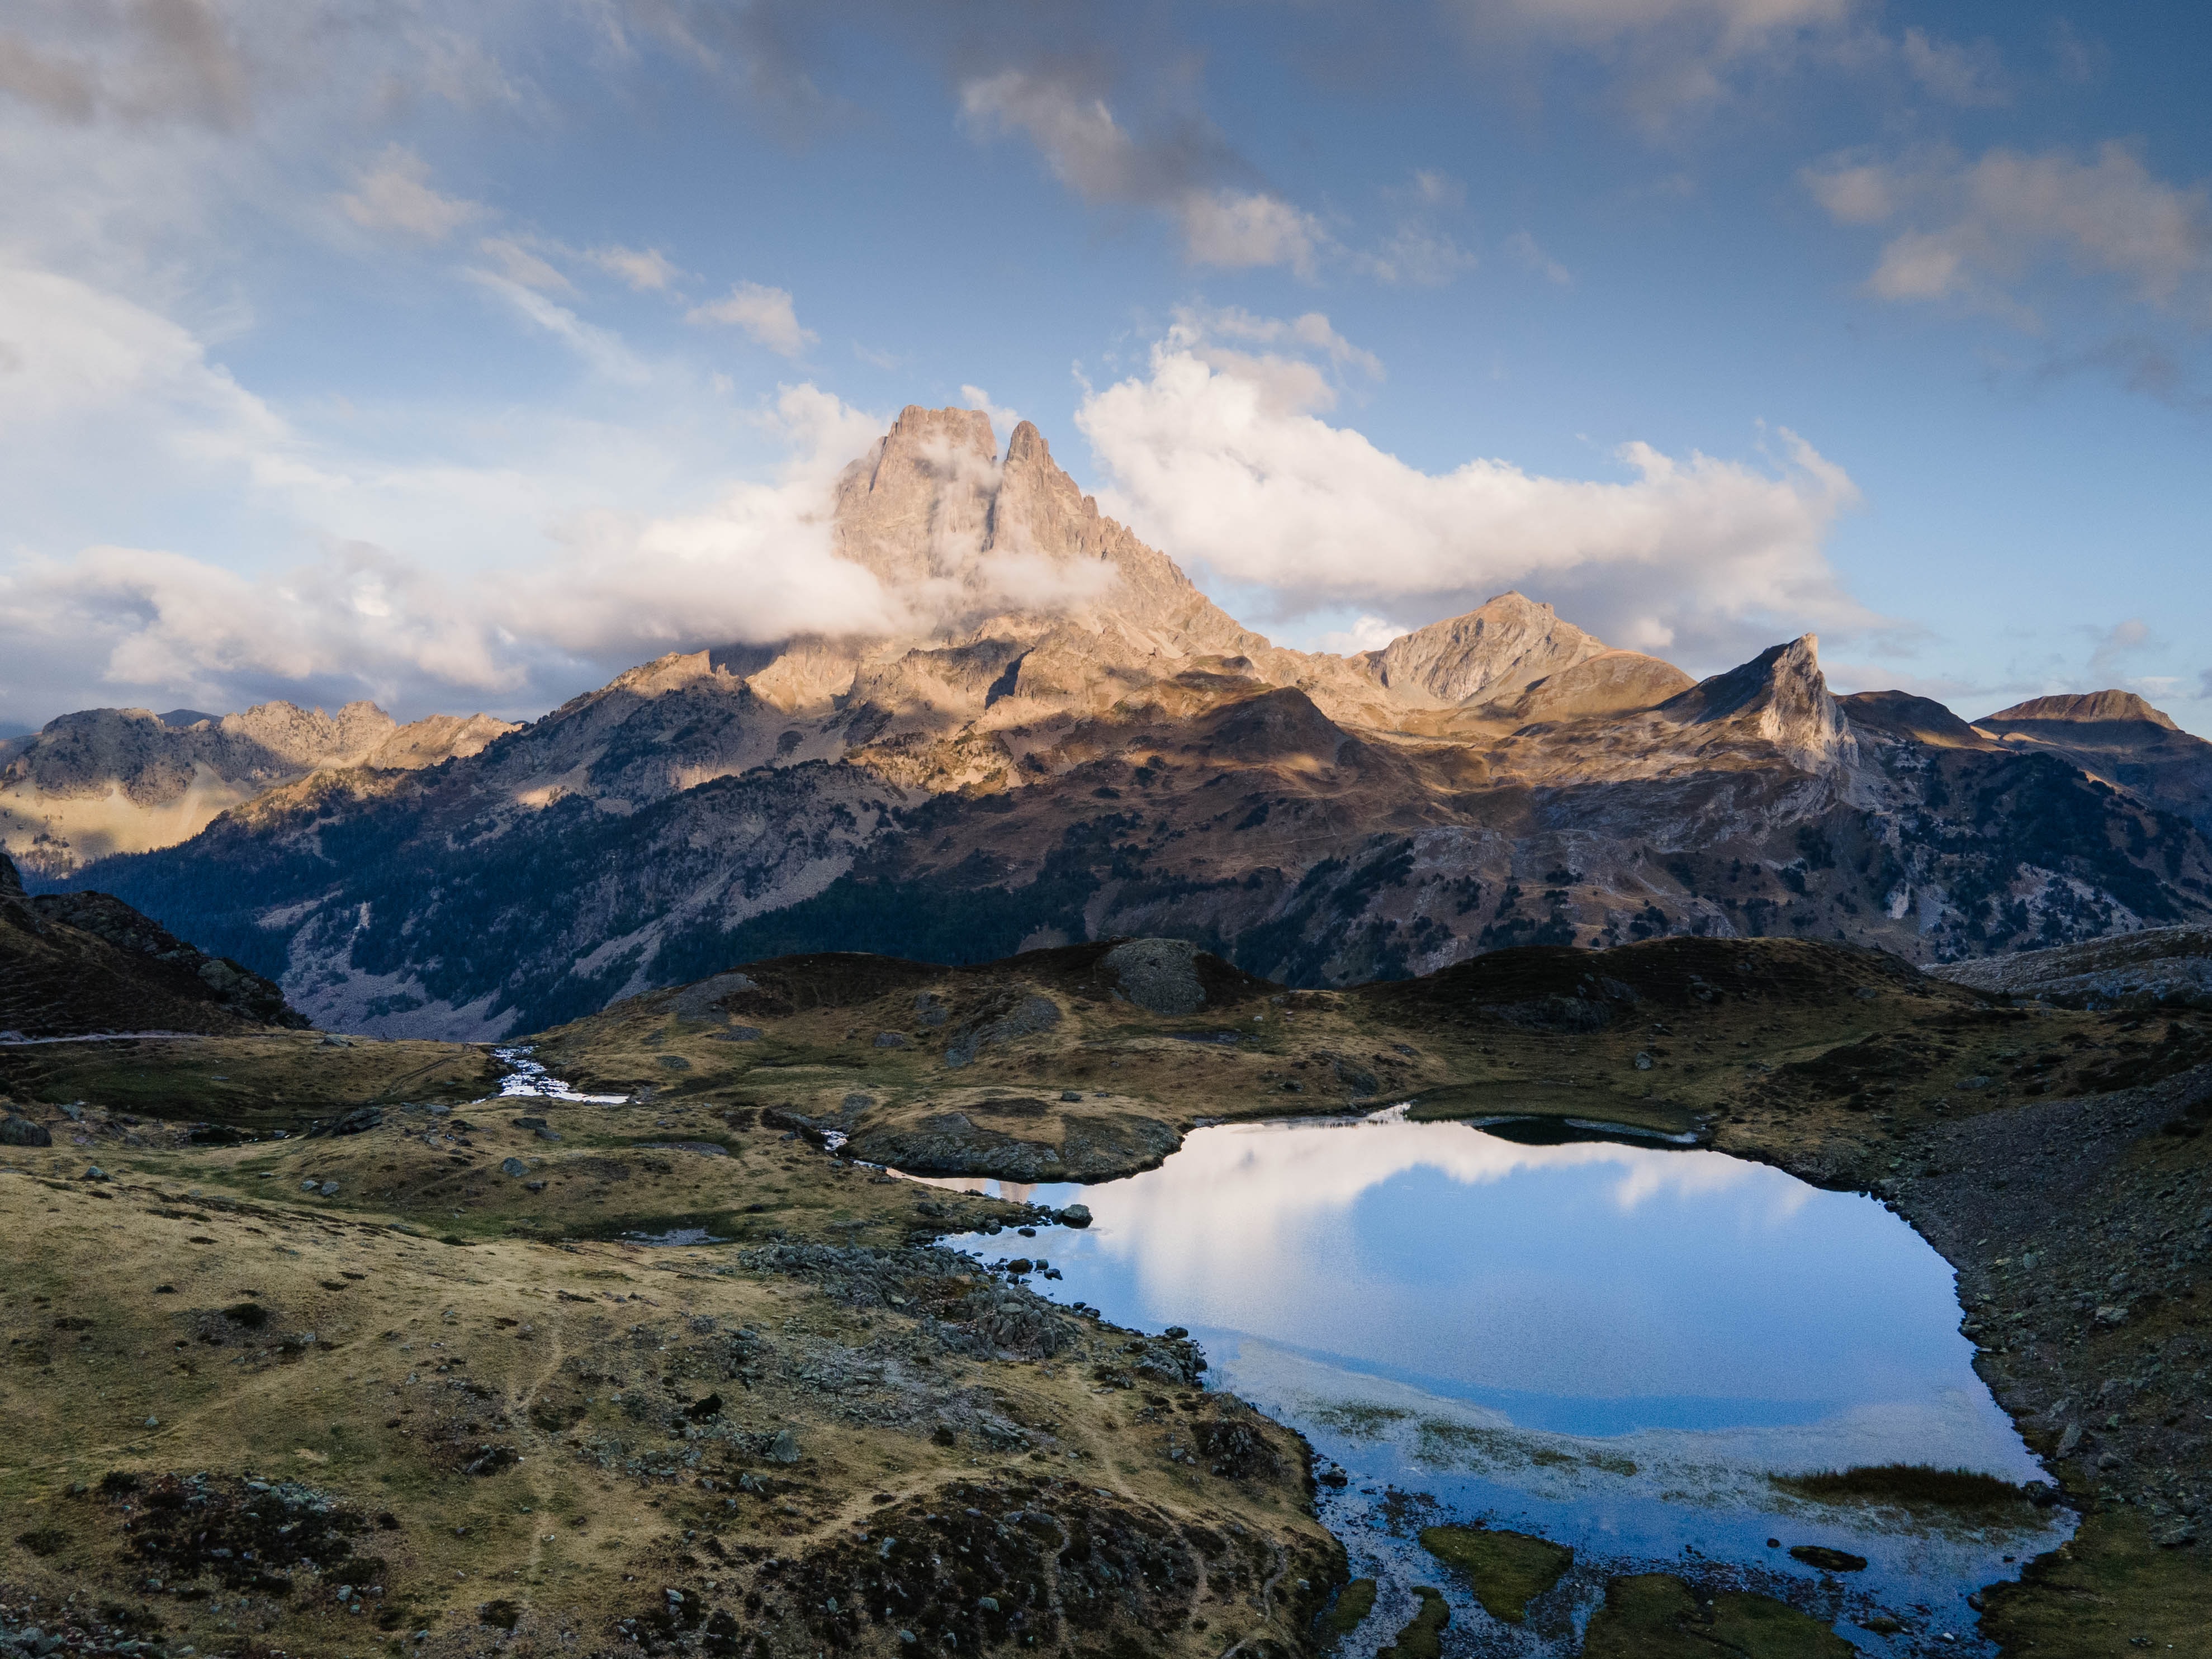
{"points": [[1365, 633], [1692, 553], [169, 621], [764, 315], [395, 193], [602, 349], [1003, 420], [1284, 374], [1179, 174], [1977, 231], [1240, 228], [754, 565], [646, 269], [520, 265], [1525, 248]]}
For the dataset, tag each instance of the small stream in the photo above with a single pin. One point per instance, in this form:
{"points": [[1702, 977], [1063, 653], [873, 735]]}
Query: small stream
{"points": [[1612, 1345]]}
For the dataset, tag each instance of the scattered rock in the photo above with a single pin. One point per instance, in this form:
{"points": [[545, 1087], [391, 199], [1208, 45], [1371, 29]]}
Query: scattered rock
{"points": [[1075, 1215], [1160, 974], [784, 1449], [1827, 1561], [890, 1040], [514, 1166], [21, 1132]]}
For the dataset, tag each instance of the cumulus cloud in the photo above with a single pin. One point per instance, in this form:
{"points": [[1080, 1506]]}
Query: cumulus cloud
{"points": [[394, 193], [1687, 553], [605, 587], [764, 315], [1977, 231], [754, 565], [1004, 420], [357, 616], [1187, 174], [514, 575], [1300, 364]]}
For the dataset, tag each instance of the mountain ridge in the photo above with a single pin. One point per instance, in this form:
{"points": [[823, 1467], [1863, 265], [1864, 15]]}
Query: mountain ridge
{"points": [[105, 780], [1065, 740]]}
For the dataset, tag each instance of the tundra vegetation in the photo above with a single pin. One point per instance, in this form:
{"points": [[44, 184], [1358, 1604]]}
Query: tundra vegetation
{"points": [[313, 1347]]}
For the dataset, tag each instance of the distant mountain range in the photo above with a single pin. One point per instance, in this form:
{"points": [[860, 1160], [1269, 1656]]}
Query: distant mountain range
{"points": [[114, 780], [1123, 759]]}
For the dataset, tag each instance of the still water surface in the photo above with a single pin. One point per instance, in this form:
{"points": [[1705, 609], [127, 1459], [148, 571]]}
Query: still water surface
{"points": [[1612, 1345]]}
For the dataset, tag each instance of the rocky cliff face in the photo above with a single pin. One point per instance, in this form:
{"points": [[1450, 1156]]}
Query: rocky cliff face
{"points": [[1068, 741], [126, 779]]}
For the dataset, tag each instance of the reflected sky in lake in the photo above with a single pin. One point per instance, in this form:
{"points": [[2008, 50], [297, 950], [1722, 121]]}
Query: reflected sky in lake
{"points": [[1614, 1346], [1586, 1288]]}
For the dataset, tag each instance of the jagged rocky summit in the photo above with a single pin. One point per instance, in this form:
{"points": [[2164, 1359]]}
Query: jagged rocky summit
{"points": [[1064, 739]]}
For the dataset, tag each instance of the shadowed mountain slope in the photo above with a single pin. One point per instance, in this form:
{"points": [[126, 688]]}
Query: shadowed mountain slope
{"points": [[80, 963], [2116, 736]]}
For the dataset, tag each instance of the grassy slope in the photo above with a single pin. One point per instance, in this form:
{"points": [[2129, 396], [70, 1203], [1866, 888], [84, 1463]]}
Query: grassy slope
{"points": [[1840, 1066]]}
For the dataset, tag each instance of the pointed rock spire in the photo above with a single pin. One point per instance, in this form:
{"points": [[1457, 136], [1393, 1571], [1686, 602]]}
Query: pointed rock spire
{"points": [[1780, 696]]}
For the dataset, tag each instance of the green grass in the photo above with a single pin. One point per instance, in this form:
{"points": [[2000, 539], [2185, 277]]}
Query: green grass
{"points": [[1508, 1570], [1422, 1638], [1354, 1603], [1905, 1486], [1654, 1616]]}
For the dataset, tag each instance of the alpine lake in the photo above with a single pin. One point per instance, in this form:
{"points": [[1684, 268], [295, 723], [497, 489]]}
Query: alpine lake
{"points": [[1569, 1386]]}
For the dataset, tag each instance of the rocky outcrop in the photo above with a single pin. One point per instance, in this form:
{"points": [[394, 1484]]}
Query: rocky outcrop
{"points": [[2158, 967], [1491, 654], [1778, 701]]}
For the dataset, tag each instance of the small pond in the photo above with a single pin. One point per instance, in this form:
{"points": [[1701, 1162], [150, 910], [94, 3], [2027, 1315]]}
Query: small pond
{"points": [[1612, 1345]]}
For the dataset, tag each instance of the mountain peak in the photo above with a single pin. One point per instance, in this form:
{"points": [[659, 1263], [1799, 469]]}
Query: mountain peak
{"points": [[1781, 693], [1492, 652], [2084, 708]]}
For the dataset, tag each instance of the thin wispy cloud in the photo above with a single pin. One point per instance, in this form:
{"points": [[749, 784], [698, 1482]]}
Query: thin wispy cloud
{"points": [[394, 193]]}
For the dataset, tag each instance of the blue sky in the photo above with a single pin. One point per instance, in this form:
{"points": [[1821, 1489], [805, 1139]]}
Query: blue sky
{"points": [[459, 356]]}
